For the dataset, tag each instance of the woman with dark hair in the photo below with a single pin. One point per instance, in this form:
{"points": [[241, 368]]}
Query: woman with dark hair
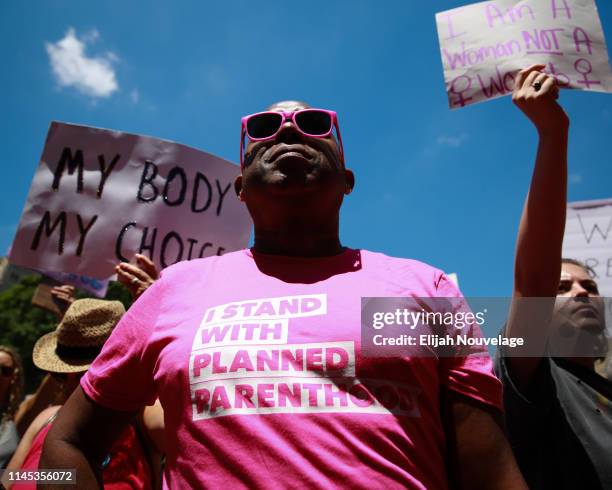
{"points": [[11, 392]]}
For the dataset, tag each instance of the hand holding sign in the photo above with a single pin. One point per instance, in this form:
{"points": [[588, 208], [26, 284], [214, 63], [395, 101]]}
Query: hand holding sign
{"points": [[137, 278], [64, 293], [535, 94]]}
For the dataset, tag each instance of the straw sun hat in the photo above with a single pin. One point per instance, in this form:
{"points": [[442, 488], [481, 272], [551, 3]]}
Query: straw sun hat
{"points": [[76, 342]]}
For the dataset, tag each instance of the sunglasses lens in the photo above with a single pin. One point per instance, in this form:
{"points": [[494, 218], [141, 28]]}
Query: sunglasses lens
{"points": [[315, 123], [264, 125]]}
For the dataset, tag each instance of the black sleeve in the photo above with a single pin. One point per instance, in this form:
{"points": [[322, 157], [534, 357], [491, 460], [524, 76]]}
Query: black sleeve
{"points": [[539, 395], [528, 414]]}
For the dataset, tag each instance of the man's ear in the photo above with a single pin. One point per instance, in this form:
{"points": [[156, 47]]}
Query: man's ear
{"points": [[350, 181], [238, 187]]}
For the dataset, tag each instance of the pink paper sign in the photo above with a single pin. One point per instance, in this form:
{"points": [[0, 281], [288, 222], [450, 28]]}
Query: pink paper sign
{"points": [[99, 196], [484, 45]]}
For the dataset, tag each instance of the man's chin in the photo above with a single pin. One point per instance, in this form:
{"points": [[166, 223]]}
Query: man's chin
{"points": [[589, 320], [593, 326], [292, 182]]}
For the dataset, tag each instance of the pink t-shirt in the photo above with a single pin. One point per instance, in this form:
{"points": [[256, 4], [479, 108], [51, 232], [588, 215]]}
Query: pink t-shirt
{"points": [[256, 361]]}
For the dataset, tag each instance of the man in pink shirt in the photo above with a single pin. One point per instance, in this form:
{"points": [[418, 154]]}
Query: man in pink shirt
{"points": [[256, 355]]}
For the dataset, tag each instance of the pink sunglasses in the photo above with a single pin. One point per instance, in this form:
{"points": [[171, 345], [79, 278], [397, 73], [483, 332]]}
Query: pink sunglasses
{"points": [[317, 123]]}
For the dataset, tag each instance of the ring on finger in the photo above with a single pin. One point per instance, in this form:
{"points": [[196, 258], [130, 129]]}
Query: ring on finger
{"points": [[536, 85], [134, 281]]}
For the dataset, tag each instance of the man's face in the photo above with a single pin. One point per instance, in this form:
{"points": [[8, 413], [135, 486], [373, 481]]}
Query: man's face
{"points": [[578, 301], [293, 162]]}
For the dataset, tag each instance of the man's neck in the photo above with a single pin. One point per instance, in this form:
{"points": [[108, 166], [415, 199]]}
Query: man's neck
{"points": [[300, 242], [298, 228]]}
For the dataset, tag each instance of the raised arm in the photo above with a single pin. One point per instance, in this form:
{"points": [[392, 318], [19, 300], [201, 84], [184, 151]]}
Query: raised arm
{"points": [[540, 235], [80, 438]]}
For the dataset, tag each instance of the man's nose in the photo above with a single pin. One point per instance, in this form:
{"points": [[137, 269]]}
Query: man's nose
{"points": [[288, 133], [578, 291]]}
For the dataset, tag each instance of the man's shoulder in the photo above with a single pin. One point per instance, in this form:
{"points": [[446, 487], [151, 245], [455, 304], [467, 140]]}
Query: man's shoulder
{"points": [[198, 266], [409, 270], [400, 264], [401, 261], [580, 377]]}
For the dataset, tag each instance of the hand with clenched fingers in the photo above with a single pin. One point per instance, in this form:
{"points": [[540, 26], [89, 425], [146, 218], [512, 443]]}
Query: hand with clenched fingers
{"points": [[535, 93]]}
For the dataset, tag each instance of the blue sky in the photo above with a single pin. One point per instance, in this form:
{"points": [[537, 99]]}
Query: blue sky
{"points": [[439, 186]]}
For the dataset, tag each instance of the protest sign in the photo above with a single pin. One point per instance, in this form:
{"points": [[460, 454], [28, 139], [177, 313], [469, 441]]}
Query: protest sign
{"points": [[92, 285], [99, 196], [484, 45], [588, 238], [44, 299]]}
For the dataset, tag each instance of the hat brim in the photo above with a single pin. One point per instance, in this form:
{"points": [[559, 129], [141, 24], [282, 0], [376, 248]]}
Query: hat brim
{"points": [[45, 357]]}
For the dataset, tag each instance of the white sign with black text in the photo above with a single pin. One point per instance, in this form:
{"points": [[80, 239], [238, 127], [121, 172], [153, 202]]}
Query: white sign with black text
{"points": [[588, 238], [99, 196]]}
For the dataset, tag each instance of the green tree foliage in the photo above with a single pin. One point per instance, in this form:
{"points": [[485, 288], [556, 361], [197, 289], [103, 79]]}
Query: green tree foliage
{"points": [[117, 292], [22, 324]]}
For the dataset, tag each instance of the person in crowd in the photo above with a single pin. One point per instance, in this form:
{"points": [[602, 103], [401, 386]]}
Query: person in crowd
{"points": [[136, 278], [49, 391], [558, 409], [66, 354], [11, 392], [255, 355]]}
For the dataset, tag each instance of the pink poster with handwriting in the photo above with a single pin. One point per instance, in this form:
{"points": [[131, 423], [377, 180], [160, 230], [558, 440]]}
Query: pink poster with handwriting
{"points": [[99, 196], [484, 45]]}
